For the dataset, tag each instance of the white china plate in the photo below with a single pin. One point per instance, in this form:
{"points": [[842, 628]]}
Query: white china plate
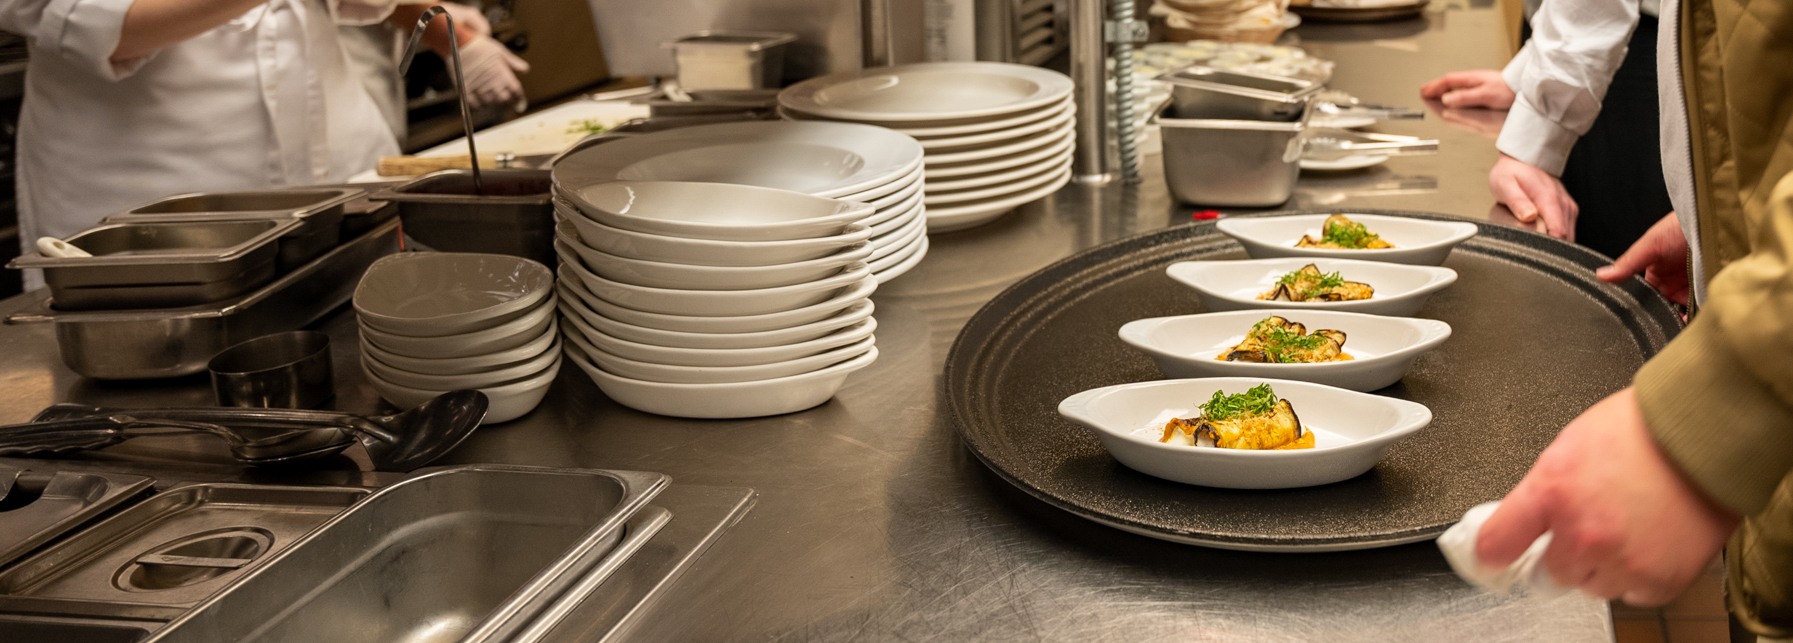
{"points": [[884, 222], [505, 402], [879, 195], [650, 372], [927, 92], [1235, 285], [999, 148], [914, 259], [853, 314], [715, 211], [817, 158], [939, 198], [657, 274], [960, 216], [950, 170], [1417, 241], [676, 356], [998, 135], [898, 239], [733, 400], [1382, 348], [1000, 177], [719, 324], [1352, 430], [733, 303], [1346, 163], [705, 252], [966, 126]]}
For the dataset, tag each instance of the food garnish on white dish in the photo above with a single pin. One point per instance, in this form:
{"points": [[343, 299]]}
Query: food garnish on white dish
{"points": [[1339, 232], [1276, 340], [1410, 240], [1309, 284], [1256, 420]]}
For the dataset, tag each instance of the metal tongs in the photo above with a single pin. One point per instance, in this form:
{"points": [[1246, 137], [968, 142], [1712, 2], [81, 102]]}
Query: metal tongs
{"points": [[1328, 144], [460, 80], [1336, 103]]}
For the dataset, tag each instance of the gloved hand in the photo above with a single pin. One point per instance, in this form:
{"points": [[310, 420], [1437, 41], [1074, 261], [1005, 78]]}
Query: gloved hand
{"points": [[469, 23], [491, 73]]}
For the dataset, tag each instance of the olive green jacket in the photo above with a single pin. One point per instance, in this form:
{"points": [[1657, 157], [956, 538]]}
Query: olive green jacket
{"points": [[1719, 399]]}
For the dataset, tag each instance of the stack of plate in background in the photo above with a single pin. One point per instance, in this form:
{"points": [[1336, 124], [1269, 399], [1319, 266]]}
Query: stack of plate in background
{"points": [[711, 300], [833, 160], [433, 322], [996, 135]]}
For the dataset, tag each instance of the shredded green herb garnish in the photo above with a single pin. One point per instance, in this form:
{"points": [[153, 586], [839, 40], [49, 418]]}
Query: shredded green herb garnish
{"points": [[587, 127], [1280, 342], [1259, 400], [1349, 235], [1321, 284]]}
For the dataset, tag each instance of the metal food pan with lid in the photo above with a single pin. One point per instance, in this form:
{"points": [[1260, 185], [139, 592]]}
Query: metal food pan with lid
{"points": [[322, 210], [162, 264], [1199, 91], [1230, 162]]}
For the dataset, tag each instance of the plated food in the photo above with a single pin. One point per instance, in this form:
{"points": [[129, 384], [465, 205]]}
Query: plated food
{"points": [[1382, 349], [1350, 431], [1309, 284], [1319, 284], [1412, 240], [1276, 340]]}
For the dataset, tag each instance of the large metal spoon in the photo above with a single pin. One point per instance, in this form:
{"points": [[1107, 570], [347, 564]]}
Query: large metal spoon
{"points": [[401, 442]]}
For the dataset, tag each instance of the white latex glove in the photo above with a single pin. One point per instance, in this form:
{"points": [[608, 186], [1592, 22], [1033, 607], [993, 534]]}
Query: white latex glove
{"points": [[491, 73]]}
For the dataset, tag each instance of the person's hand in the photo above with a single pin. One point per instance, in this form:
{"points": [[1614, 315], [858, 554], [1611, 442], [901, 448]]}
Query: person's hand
{"points": [[1480, 120], [1474, 88], [1533, 193], [1661, 254], [1626, 522], [491, 73], [469, 22], [1500, 214]]}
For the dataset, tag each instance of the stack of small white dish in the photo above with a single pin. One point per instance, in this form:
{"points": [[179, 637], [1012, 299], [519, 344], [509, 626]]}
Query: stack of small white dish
{"points": [[433, 322], [997, 135], [843, 161], [710, 300]]}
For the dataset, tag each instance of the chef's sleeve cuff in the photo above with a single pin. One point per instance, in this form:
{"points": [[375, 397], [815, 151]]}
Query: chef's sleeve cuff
{"points": [[1514, 72], [1730, 434], [355, 13], [87, 32], [1540, 142]]}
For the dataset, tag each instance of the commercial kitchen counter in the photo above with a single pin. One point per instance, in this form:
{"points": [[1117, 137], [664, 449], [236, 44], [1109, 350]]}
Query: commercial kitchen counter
{"points": [[874, 523]]}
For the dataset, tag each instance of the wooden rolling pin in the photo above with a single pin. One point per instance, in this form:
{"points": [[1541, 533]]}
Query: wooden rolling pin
{"points": [[414, 165]]}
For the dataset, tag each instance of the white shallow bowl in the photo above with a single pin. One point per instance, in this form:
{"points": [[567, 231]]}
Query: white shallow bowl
{"points": [[675, 356], [1383, 347], [970, 214], [506, 401], [508, 373], [431, 294], [923, 92], [726, 324], [823, 159], [1420, 242], [757, 301], [651, 372], [900, 193], [984, 167], [903, 261], [849, 316], [882, 222], [657, 274], [732, 400], [1235, 285], [705, 252], [502, 337], [902, 239], [465, 365], [1352, 432], [716, 211]]}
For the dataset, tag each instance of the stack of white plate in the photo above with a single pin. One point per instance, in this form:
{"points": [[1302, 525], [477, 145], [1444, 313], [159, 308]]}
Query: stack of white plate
{"points": [[997, 135], [834, 160], [710, 300], [433, 322]]}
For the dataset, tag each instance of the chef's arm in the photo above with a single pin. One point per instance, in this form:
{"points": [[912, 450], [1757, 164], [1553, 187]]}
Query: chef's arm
{"points": [[1719, 398], [1561, 75], [153, 24]]}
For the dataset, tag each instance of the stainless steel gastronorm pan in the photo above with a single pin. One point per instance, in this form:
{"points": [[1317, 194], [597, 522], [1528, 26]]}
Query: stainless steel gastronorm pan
{"points": [[320, 209], [139, 253], [1230, 162], [1198, 91], [514, 215], [472, 553]]}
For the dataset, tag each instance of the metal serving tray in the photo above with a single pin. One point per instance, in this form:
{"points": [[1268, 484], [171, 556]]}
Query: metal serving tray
{"points": [[1199, 91], [473, 553], [320, 209], [1230, 162], [159, 557], [179, 341], [66, 500], [1535, 340], [515, 215], [162, 264]]}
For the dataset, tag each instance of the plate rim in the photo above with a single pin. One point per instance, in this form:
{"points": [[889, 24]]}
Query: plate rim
{"points": [[801, 96]]}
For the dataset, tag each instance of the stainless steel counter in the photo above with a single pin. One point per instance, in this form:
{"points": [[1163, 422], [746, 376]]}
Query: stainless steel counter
{"points": [[874, 523]]}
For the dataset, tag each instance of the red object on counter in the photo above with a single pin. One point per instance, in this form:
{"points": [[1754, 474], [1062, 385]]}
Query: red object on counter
{"points": [[1202, 215]]}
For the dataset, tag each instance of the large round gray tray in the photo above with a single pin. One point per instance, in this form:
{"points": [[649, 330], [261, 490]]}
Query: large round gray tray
{"points": [[1536, 339]]}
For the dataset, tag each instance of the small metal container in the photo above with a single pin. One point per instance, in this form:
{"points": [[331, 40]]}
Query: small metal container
{"points": [[731, 59], [322, 210], [514, 216], [1203, 92], [162, 264], [289, 370], [1230, 162]]}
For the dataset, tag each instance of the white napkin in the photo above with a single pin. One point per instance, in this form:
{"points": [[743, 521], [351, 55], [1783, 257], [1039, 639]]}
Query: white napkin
{"points": [[1458, 544]]}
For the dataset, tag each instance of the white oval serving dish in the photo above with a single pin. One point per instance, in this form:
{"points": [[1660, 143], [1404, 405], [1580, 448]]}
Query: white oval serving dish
{"points": [[1382, 348], [1420, 242], [1400, 290]]}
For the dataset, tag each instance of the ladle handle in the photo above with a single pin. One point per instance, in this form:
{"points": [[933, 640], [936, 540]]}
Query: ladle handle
{"points": [[60, 436]]}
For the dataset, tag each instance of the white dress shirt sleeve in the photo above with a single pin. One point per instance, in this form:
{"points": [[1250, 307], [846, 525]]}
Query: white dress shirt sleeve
{"points": [[1561, 75], [359, 13], [82, 32]]}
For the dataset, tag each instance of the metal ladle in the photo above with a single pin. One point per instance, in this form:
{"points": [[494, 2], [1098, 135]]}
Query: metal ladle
{"points": [[401, 442], [460, 80]]}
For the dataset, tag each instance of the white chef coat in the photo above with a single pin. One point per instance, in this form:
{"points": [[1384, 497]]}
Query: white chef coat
{"points": [[265, 100], [1561, 74]]}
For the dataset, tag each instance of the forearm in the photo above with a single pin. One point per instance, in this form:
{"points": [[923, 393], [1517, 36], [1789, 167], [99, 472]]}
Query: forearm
{"points": [[153, 24]]}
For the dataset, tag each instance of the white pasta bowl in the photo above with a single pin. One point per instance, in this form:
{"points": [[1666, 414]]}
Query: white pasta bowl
{"points": [[1400, 290], [506, 400], [674, 356], [465, 365], [490, 377], [674, 301], [810, 314], [1352, 431], [432, 294], [715, 211], [1420, 242], [1381, 348], [727, 400], [503, 337], [651, 372], [849, 316], [656, 274], [705, 252]]}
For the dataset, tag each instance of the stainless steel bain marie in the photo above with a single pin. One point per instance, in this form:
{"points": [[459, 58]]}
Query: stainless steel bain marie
{"points": [[1198, 91], [1230, 162], [162, 264], [322, 210]]}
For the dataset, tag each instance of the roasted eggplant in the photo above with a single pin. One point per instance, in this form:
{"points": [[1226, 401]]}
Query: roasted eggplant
{"points": [[1309, 284], [1276, 340], [1341, 233], [1254, 420]]}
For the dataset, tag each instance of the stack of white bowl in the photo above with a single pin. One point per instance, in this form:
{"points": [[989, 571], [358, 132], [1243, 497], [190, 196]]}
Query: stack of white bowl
{"points": [[712, 300], [433, 322], [834, 160], [996, 135]]}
